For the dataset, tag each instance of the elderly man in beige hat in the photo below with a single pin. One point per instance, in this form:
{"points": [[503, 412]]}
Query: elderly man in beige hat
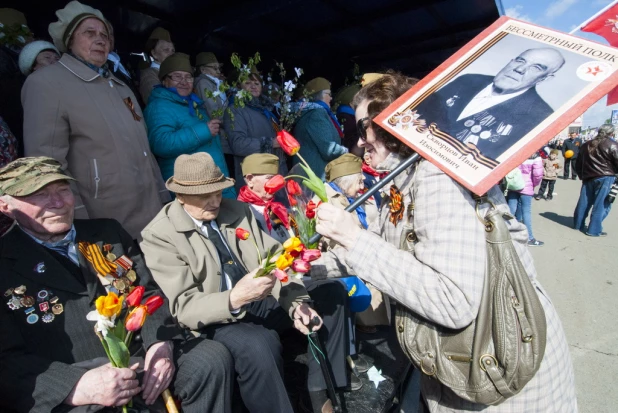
{"points": [[80, 114], [159, 46], [208, 274], [51, 357]]}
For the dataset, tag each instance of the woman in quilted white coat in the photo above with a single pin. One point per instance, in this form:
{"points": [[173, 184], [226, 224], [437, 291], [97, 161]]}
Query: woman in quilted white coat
{"points": [[442, 280]]}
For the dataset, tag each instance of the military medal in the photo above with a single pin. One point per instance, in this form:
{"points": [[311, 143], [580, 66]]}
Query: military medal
{"points": [[31, 316], [485, 134], [20, 290], [8, 292], [468, 123], [108, 248], [14, 303], [131, 276], [40, 267], [451, 101], [42, 295], [48, 317], [57, 309], [27, 301], [476, 129]]}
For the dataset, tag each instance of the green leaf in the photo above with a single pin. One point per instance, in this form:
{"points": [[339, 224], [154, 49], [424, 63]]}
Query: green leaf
{"points": [[118, 351], [314, 183]]}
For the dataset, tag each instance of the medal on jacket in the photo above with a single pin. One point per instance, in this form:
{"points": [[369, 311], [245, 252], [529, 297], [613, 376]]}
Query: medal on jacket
{"points": [[395, 205]]}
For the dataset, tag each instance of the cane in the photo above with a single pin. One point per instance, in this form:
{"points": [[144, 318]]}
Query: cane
{"points": [[361, 199], [314, 341], [170, 403]]}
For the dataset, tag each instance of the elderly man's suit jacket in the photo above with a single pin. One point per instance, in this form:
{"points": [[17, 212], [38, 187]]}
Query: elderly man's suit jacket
{"points": [[36, 372], [187, 267], [506, 122]]}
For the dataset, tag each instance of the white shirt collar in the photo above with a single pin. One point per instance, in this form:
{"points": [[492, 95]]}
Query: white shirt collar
{"points": [[155, 65], [485, 99]]}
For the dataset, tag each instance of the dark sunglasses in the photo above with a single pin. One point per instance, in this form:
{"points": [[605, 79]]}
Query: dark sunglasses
{"points": [[361, 128]]}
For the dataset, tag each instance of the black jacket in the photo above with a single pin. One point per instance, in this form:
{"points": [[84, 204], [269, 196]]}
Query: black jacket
{"points": [[597, 159], [501, 125], [36, 373]]}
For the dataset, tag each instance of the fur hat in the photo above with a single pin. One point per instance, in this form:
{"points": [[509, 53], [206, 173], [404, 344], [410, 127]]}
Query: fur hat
{"points": [[28, 54], [197, 174], [173, 63], [68, 19]]}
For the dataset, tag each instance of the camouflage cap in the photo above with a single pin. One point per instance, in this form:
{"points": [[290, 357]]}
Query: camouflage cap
{"points": [[25, 176]]}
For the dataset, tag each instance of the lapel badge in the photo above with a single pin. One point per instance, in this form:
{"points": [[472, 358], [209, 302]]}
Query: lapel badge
{"points": [[32, 318], [40, 267], [108, 249], [451, 101]]}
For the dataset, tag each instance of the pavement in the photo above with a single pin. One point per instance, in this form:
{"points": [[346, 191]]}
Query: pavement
{"points": [[581, 275]]}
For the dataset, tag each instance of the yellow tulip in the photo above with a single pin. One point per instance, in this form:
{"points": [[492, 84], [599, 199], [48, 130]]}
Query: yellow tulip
{"points": [[109, 305], [284, 261], [292, 244]]}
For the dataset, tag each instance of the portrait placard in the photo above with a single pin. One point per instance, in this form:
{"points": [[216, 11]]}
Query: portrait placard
{"points": [[499, 99]]}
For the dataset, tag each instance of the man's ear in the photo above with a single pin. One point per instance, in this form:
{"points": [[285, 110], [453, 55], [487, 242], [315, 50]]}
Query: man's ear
{"points": [[5, 208], [248, 180]]}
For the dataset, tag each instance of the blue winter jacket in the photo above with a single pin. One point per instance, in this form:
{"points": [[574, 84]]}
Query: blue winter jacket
{"points": [[173, 131]]}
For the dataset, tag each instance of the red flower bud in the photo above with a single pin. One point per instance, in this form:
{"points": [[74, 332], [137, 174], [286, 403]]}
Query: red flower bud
{"points": [[288, 143], [292, 200], [310, 255], [242, 234], [301, 266], [281, 275], [135, 297], [292, 187], [274, 184], [136, 318], [153, 304], [311, 207]]}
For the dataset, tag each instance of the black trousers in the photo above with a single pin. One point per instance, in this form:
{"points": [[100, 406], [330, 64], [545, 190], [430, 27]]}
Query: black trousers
{"points": [[544, 184], [567, 167], [256, 349]]}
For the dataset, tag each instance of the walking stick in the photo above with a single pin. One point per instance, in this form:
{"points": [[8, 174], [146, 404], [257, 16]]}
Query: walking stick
{"points": [[314, 341], [170, 403], [361, 199]]}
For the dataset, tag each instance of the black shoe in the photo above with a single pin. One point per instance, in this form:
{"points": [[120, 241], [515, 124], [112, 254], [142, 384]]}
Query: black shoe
{"points": [[549, 198], [318, 402], [355, 382], [361, 363], [538, 197], [602, 234], [575, 179]]}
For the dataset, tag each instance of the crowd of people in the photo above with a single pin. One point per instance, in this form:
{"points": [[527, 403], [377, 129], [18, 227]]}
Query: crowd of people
{"points": [[162, 170]]}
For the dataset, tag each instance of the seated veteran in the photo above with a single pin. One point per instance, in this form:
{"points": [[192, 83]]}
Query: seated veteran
{"points": [[208, 275], [271, 216], [50, 357], [344, 183]]}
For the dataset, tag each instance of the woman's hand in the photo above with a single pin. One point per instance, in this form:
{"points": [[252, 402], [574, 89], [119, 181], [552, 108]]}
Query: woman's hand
{"points": [[338, 225], [214, 126]]}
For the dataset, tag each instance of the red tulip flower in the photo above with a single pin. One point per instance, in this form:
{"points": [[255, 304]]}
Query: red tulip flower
{"points": [[242, 234], [310, 255], [274, 184], [135, 297], [292, 187], [311, 207], [281, 275], [153, 304], [301, 266], [136, 318], [288, 143]]}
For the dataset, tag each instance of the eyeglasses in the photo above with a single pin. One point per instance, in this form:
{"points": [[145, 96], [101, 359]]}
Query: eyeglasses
{"points": [[92, 34], [180, 78], [361, 128]]}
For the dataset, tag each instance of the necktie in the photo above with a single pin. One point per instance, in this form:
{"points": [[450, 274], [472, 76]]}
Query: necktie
{"points": [[228, 263]]}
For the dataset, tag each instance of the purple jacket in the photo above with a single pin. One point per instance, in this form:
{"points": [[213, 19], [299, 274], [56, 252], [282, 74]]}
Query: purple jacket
{"points": [[532, 172]]}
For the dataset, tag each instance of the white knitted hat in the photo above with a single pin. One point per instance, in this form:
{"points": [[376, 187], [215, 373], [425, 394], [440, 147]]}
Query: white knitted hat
{"points": [[28, 54], [68, 20]]}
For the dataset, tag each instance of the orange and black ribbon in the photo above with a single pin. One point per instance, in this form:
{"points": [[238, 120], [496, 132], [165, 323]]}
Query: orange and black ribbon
{"points": [[94, 255], [127, 101], [395, 206]]}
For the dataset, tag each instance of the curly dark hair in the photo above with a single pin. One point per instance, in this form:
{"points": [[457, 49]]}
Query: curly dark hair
{"points": [[381, 93]]}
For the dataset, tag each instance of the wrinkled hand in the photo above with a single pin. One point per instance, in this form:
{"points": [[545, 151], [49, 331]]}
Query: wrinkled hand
{"points": [[214, 126], [303, 314], [337, 224], [250, 289], [106, 386], [158, 370]]}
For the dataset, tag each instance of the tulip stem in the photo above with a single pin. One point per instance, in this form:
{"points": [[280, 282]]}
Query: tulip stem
{"points": [[294, 176], [127, 339]]}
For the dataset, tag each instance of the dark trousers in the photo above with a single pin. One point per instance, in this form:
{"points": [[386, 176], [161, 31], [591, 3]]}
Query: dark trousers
{"points": [[255, 347], [544, 184], [567, 166]]}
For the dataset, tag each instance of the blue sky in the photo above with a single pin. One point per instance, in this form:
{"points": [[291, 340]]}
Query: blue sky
{"points": [[564, 15]]}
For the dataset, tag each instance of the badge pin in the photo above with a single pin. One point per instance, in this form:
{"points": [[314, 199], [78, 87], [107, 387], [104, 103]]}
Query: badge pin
{"points": [[14, 303], [131, 276], [20, 290], [32, 318], [44, 306], [42, 295], [48, 317], [40, 268], [451, 101], [57, 309], [27, 301], [8, 292], [110, 256]]}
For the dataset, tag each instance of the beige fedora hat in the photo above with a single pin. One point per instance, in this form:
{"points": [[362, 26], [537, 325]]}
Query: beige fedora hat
{"points": [[197, 174]]}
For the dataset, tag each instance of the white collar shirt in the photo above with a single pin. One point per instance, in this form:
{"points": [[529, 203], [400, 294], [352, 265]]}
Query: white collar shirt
{"points": [[485, 99]]}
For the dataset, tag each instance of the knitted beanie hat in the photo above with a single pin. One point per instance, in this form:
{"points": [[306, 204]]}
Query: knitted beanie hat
{"points": [[28, 54]]}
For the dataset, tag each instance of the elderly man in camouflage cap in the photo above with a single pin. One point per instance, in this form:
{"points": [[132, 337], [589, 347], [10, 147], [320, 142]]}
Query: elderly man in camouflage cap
{"points": [[50, 355]]}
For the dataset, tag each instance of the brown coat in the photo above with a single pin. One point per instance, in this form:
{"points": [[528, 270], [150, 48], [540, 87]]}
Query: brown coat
{"points": [[148, 79], [186, 265], [74, 115]]}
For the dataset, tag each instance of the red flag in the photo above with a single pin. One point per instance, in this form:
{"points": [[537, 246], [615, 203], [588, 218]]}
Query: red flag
{"points": [[606, 25]]}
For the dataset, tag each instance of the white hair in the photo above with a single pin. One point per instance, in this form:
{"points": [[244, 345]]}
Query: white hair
{"points": [[345, 182]]}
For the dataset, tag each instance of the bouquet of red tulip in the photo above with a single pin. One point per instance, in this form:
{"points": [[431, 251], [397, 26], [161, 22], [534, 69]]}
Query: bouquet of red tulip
{"points": [[293, 256], [116, 336], [302, 210]]}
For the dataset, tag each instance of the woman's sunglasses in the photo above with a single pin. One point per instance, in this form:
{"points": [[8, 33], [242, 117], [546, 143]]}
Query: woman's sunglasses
{"points": [[361, 128]]}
